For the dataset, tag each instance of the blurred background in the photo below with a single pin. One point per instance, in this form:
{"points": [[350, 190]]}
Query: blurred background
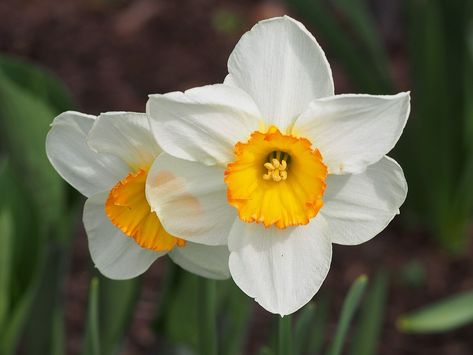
{"points": [[104, 55]]}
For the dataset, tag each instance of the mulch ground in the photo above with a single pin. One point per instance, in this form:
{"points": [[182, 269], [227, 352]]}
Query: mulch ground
{"points": [[112, 54]]}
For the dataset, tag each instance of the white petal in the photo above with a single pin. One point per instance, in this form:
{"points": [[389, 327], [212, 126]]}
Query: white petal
{"points": [[354, 131], [68, 152], [126, 135], [281, 269], [203, 260], [203, 124], [113, 253], [190, 200], [282, 67], [358, 207]]}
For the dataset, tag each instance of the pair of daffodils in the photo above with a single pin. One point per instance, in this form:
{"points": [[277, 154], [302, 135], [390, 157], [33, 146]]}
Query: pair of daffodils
{"points": [[253, 178]]}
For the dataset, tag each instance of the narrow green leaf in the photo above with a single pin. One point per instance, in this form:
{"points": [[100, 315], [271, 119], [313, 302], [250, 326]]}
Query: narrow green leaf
{"points": [[442, 316], [11, 333], [92, 334], [284, 335], [361, 20], [117, 300], [179, 319], [265, 350], [38, 334], [350, 305], [24, 256], [58, 332], [368, 328], [302, 329], [341, 45], [166, 296], [234, 313], [6, 240], [207, 317], [320, 324]]}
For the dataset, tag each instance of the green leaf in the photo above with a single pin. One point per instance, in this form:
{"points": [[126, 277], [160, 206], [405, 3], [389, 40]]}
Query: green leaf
{"points": [[234, 313], [24, 123], [6, 240], [19, 314], [361, 20], [369, 326], [207, 315], [92, 335], [265, 350], [302, 329], [181, 315], [20, 253], [42, 317], [58, 332], [38, 82], [445, 315], [320, 324], [350, 305], [284, 335], [353, 60], [117, 300]]}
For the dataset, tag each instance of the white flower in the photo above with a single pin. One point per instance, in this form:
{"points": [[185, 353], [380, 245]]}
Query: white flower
{"points": [[277, 164], [107, 159]]}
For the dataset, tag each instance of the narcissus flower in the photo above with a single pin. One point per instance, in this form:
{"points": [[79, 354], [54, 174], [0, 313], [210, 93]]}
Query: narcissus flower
{"points": [[107, 159], [277, 164]]}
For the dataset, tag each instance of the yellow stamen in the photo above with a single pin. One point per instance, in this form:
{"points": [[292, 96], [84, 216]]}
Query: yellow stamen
{"points": [[276, 169]]}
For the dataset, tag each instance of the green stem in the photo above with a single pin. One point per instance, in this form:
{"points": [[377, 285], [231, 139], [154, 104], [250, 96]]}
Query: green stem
{"points": [[207, 317], [284, 336]]}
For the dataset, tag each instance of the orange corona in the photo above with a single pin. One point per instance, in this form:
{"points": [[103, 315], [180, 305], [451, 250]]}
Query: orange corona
{"points": [[128, 209], [276, 179]]}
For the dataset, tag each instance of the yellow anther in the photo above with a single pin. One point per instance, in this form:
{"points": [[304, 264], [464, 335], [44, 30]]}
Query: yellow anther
{"points": [[277, 168], [283, 165]]}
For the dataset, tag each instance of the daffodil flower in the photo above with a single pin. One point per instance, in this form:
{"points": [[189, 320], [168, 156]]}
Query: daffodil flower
{"points": [[107, 159], [277, 164]]}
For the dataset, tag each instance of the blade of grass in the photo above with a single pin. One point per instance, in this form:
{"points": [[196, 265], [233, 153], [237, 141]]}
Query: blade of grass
{"points": [[368, 329], [350, 305], [447, 314]]}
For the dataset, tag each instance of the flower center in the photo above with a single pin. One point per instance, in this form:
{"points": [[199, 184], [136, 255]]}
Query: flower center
{"points": [[276, 179], [277, 167], [128, 209]]}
